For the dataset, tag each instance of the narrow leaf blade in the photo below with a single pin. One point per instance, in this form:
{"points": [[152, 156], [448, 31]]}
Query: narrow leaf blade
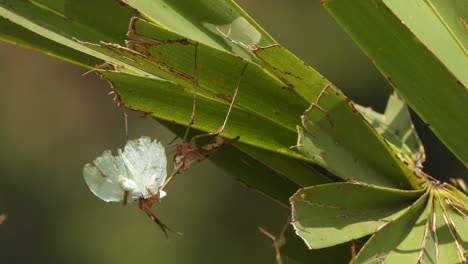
{"points": [[433, 91], [330, 214]]}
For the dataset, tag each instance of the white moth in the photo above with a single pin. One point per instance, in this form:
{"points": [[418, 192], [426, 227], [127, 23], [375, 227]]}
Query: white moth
{"points": [[136, 173]]}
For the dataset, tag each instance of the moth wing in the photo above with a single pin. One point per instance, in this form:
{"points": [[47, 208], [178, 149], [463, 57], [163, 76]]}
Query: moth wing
{"points": [[102, 179], [111, 166], [146, 162]]}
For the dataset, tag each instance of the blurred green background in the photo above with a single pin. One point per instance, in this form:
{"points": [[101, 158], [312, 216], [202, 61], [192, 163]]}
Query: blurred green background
{"points": [[53, 121]]}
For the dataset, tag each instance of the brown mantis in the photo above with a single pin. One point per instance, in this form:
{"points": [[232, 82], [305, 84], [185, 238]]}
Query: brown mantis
{"points": [[188, 154]]}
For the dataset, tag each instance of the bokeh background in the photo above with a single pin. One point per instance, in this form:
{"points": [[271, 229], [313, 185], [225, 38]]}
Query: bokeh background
{"points": [[53, 121]]}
